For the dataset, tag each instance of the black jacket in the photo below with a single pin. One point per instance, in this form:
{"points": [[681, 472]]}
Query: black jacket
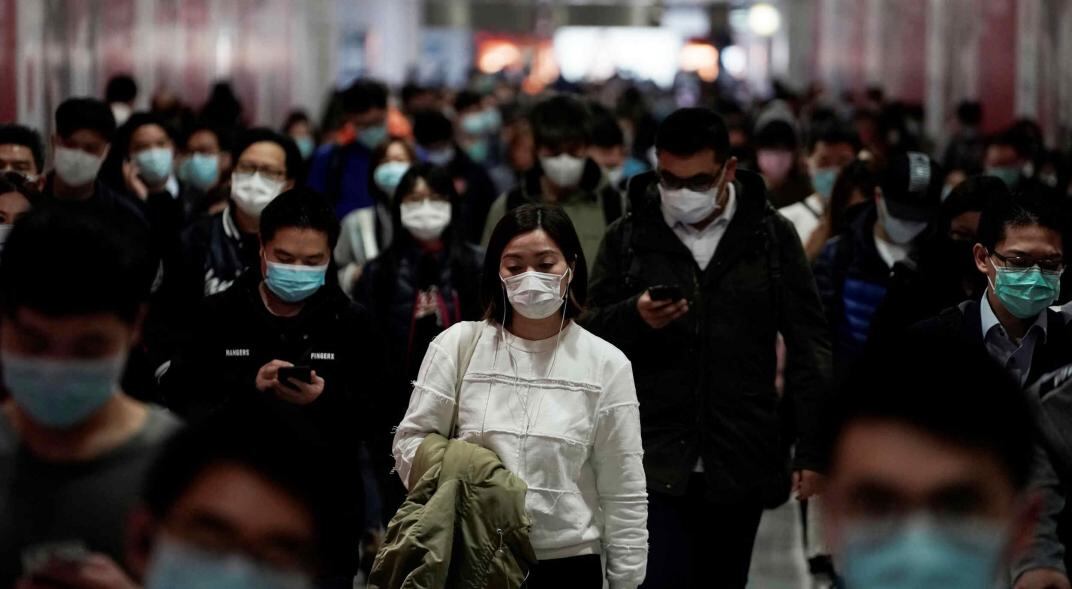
{"points": [[706, 383], [965, 323], [476, 191]]}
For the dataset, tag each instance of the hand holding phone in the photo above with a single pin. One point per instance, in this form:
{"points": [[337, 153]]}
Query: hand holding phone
{"points": [[298, 373], [665, 292]]}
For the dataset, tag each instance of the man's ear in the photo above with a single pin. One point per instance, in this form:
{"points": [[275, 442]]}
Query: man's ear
{"points": [[140, 538], [982, 258], [288, 185], [139, 324]]}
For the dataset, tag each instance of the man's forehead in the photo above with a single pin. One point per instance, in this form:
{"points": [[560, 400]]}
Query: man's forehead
{"points": [[14, 150]]}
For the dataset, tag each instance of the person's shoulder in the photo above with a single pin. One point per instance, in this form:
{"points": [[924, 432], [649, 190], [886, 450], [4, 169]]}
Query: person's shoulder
{"points": [[612, 358], [9, 438], [160, 424]]}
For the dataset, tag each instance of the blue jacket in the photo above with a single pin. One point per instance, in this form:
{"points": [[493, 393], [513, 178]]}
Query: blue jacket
{"points": [[343, 173]]}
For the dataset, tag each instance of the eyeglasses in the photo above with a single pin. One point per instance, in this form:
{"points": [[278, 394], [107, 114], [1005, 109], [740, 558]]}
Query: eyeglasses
{"points": [[697, 183], [267, 172], [1028, 262]]}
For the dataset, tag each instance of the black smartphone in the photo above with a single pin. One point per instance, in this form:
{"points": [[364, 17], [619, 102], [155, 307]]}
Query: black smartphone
{"points": [[299, 373], [665, 292]]}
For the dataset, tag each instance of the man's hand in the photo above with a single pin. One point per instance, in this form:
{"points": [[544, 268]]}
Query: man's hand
{"points": [[1043, 579], [134, 183], [298, 392], [659, 314], [292, 391], [96, 572], [808, 484]]}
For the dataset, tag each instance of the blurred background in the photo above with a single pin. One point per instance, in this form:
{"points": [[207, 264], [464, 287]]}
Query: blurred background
{"points": [[279, 55]]}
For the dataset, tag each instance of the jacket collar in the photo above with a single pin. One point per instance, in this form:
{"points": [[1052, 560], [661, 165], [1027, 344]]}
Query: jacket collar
{"points": [[592, 181]]}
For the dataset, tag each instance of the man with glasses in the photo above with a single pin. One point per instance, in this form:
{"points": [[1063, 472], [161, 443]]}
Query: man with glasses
{"points": [[220, 248], [1020, 250], [694, 285]]}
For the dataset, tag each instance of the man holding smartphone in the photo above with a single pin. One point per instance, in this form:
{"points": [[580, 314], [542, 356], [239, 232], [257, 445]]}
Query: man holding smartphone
{"points": [[288, 336], [694, 286]]}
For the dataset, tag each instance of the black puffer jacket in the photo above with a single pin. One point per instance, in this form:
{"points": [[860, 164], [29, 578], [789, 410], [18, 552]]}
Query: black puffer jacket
{"points": [[706, 383]]}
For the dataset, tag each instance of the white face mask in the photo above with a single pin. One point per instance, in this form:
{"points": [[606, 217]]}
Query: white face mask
{"points": [[899, 231], [426, 220], [615, 174], [688, 206], [536, 295], [253, 192], [563, 170], [75, 167]]}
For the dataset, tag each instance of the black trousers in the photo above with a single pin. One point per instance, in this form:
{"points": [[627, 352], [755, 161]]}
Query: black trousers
{"points": [[694, 543], [576, 572]]}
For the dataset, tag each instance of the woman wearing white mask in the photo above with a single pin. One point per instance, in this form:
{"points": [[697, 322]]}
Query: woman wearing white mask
{"points": [[366, 232], [554, 402], [424, 282]]}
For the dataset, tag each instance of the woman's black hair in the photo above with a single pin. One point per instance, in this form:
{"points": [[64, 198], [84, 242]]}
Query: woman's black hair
{"points": [[857, 176], [525, 219], [16, 182]]}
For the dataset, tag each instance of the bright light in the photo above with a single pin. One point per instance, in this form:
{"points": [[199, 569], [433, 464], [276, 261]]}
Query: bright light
{"points": [[701, 58], [764, 19], [497, 56], [594, 53], [735, 61]]}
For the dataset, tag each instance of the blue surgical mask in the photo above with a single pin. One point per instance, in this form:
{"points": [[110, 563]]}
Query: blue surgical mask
{"points": [[200, 170], [823, 180], [175, 565], [492, 120], [1026, 292], [921, 554], [440, 157], [61, 394], [478, 151], [294, 283], [388, 175], [306, 145], [372, 137], [154, 164], [474, 124], [1010, 175]]}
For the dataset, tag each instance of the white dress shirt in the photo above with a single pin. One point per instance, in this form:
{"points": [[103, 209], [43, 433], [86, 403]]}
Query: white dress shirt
{"points": [[703, 243]]}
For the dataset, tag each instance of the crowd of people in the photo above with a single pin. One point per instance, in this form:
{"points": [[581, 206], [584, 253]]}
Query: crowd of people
{"points": [[484, 338]]}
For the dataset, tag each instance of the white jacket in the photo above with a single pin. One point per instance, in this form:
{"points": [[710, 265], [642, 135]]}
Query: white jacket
{"points": [[573, 435]]}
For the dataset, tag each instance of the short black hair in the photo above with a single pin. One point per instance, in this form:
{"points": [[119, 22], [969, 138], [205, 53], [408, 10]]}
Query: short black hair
{"points": [[520, 221], [411, 90], [606, 132], [777, 134], [76, 114], [467, 99], [125, 132], [973, 195], [928, 383], [688, 131], [26, 137], [283, 451], [260, 134], [293, 118], [121, 88], [363, 96], [52, 248], [432, 127], [303, 208], [834, 134], [970, 113], [1022, 209], [199, 125], [1011, 137], [559, 121]]}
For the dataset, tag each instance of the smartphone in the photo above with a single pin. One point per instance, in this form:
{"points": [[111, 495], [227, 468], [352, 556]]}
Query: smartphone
{"points": [[299, 373], [664, 292]]}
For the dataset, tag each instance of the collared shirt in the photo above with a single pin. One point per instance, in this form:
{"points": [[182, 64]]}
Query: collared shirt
{"points": [[172, 186], [1014, 356], [703, 243]]}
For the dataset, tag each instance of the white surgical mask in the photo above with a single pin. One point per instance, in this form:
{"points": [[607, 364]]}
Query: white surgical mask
{"points": [[253, 192], [899, 231], [563, 170], [5, 231], [75, 167], [440, 157], [536, 295], [426, 220], [688, 206], [615, 174]]}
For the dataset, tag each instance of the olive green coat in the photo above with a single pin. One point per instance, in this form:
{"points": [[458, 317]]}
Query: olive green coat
{"points": [[463, 524]]}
